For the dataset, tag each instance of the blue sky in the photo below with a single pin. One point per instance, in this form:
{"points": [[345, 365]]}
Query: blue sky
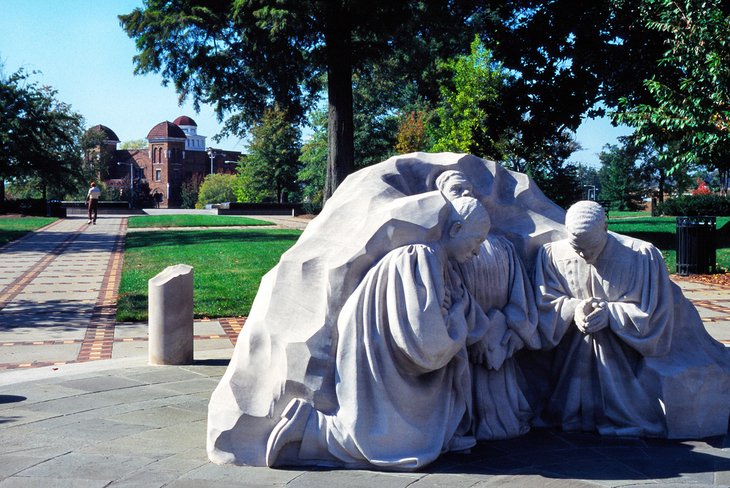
{"points": [[81, 51]]}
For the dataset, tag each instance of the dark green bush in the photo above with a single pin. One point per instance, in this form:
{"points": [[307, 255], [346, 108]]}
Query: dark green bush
{"points": [[695, 205]]}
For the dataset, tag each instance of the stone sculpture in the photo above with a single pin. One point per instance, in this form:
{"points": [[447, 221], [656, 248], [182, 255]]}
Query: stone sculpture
{"points": [[287, 352], [287, 348], [632, 356], [404, 386], [499, 283]]}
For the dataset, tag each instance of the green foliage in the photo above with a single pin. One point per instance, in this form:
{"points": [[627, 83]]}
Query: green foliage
{"points": [[40, 136], [690, 105], [245, 255], [570, 59], [374, 118], [693, 205], [217, 188], [461, 122], [313, 162], [189, 191], [620, 181], [269, 172], [545, 162], [97, 161], [245, 55], [134, 144]]}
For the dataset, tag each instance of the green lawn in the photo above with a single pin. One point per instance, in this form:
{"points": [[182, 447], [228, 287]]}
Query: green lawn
{"points": [[620, 214], [228, 266], [12, 228], [193, 221], [661, 231]]}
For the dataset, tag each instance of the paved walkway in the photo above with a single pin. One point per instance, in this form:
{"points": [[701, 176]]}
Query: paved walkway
{"points": [[80, 407]]}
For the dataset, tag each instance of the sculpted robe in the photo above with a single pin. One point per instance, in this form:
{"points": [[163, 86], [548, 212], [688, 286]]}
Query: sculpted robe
{"points": [[595, 380], [287, 348], [655, 371], [497, 281], [403, 385]]}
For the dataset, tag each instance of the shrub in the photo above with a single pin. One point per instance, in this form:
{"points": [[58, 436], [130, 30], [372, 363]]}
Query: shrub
{"points": [[702, 188], [691, 205], [217, 188]]}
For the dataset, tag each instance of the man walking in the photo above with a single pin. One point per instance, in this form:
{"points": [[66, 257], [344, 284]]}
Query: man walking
{"points": [[92, 202]]}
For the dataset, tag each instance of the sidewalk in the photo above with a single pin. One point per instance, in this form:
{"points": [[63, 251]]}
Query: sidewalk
{"points": [[80, 407]]}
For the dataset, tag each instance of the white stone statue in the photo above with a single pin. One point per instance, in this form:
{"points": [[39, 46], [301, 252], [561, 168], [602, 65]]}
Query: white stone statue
{"points": [[498, 282], [288, 346], [631, 354], [403, 381]]}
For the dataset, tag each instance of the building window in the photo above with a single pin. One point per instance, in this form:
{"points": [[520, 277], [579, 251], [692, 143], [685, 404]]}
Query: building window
{"points": [[158, 175]]}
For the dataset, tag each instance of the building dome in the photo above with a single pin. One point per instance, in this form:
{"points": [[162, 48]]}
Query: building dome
{"points": [[166, 130], [184, 120], [105, 131]]}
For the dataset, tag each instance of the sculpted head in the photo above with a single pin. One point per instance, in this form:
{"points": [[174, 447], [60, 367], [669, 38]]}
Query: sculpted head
{"points": [[587, 229], [454, 184], [468, 227]]}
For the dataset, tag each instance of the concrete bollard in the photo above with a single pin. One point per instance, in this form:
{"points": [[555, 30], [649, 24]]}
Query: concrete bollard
{"points": [[170, 307]]}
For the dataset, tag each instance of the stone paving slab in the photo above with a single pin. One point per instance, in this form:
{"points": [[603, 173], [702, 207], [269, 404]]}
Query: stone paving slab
{"points": [[139, 425]]}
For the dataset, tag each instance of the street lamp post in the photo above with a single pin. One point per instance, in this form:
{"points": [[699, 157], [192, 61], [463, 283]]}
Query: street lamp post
{"points": [[211, 154], [131, 181]]}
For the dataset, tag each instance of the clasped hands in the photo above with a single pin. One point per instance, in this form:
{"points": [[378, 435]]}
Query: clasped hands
{"points": [[591, 315]]}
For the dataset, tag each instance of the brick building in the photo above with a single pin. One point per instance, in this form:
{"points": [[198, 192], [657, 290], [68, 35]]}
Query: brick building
{"points": [[176, 153]]}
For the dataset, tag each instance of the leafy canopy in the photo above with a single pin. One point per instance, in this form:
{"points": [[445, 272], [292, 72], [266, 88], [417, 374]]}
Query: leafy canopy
{"points": [[40, 136], [689, 109], [269, 172]]}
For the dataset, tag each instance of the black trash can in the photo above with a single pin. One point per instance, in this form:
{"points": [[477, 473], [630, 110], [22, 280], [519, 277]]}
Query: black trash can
{"points": [[696, 245], [54, 209]]}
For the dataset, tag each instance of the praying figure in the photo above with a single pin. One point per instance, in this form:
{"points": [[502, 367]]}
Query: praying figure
{"points": [[403, 382], [498, 282], [631, 357]]}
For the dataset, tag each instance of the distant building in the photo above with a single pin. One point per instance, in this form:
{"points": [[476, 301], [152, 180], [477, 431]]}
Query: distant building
{"points": [[176, 153]]}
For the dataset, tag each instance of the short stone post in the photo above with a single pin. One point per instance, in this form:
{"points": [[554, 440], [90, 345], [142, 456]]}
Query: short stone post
{"points": [[171, 316]]}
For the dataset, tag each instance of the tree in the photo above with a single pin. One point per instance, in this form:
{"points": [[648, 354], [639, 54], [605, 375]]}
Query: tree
{"points": [[134, 144], [462, 122], [97, 161], [39, 137], [269, 172], [189, 191], [411, 136], [313, 160], [689, 111], [570, 59], [589, 181], [546, 164], [245, 55], [217, 188], [620, 180]]}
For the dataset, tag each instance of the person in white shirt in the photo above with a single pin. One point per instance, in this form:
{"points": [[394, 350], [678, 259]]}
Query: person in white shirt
{"points": [[92, 202]]}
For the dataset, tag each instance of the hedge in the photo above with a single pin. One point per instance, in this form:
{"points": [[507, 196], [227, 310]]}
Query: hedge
{"points": [[692, 205]]}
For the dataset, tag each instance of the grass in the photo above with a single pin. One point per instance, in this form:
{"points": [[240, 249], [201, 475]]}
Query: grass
{"points": [[661, 231], [622, 214], [193, 221], [12, 228], [228, 266]]}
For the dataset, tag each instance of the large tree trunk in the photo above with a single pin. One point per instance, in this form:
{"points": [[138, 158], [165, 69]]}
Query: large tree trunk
{"points": [[340, 132], [662, 185], [2, 191]]}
